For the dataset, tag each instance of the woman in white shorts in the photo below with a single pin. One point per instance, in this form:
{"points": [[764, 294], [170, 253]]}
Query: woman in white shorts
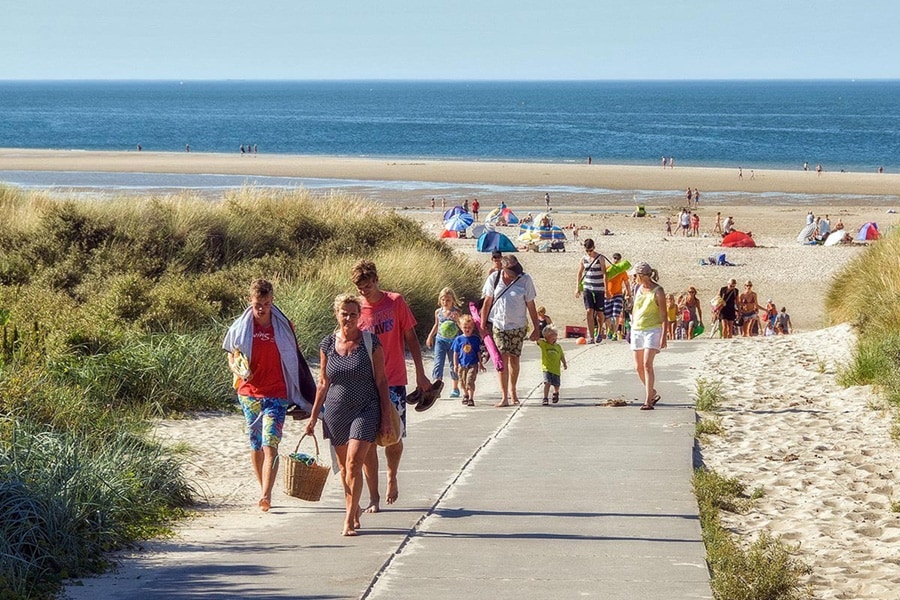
{"points": [[649, 322]]}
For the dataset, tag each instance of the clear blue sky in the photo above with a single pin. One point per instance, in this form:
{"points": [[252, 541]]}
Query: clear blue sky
{"points": [[449, 39]]}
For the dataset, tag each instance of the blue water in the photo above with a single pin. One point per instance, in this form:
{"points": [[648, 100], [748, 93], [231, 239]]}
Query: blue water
{"points": [[842, 125]]}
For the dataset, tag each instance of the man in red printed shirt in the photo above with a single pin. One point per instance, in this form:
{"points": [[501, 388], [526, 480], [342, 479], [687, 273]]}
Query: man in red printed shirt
{"points": [[387, 315]]}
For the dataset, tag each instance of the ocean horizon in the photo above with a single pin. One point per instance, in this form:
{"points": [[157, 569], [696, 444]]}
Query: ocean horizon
{"points": [[851, 125]]}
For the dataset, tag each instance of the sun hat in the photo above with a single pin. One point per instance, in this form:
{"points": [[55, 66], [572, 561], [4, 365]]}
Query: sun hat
{"points": [[643, 268]]}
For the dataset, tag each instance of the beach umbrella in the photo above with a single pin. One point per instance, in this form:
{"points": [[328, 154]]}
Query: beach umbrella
{"points": [[459, 222], [453, 211]]}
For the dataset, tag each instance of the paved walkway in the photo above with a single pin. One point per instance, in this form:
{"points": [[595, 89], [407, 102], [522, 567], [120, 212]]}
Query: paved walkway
{"points": [[572, 500]]}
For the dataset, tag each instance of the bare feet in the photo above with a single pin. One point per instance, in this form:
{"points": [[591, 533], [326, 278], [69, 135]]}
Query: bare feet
{"points": [[501, 404], [373, 506], [265, 504], [359, 513], [393, 491], [348, 532]]}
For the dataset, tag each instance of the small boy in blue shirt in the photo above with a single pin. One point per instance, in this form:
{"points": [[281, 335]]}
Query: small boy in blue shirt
{"points": [[468, 358]]}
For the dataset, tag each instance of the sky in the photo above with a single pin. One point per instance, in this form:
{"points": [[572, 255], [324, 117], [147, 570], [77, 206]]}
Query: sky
{"points": [[449, 39]]}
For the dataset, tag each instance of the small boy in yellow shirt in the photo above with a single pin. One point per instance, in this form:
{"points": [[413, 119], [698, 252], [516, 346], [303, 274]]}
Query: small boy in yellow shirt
{"points": [[552, 356]]}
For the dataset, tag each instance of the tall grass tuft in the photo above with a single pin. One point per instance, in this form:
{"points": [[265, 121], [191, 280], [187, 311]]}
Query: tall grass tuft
{"points": [[767, 569], [708, 396]]}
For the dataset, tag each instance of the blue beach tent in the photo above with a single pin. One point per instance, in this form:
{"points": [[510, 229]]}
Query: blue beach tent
{"points": [[494, 240]]}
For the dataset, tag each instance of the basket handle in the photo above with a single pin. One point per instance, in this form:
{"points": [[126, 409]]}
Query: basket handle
{"points": [[313, 436]]}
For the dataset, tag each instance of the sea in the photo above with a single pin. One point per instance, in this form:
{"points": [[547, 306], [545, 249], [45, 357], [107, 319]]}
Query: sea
{"points": [[850, 125]]}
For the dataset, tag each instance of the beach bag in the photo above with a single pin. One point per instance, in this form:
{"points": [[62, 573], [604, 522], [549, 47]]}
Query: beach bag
{"points": [[305, 475], [396, 421]]}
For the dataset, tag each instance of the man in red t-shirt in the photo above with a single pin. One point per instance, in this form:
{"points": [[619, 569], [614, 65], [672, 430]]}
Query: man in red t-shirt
{"points": [[387, 315], [475, 207]]}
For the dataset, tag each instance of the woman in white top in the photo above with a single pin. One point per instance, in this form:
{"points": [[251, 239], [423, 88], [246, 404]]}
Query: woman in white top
{"points": [[508, 304]]}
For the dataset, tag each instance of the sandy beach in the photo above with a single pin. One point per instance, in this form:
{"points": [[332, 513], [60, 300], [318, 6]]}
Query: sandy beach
{"points": [[610, 177], [833, 499]]}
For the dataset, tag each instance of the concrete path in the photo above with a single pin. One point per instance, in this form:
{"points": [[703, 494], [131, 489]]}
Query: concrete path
{"points": [[572, 500]]}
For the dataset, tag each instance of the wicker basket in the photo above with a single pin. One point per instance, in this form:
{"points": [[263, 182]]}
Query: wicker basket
{"points": [[304, 481]]}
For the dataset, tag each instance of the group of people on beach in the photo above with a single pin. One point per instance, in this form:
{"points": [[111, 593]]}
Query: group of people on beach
{"points": [[360, 394], [739, 312], [362, 380]]}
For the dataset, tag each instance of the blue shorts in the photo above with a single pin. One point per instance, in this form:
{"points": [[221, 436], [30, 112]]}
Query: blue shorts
{"points": [[614, 306], [265, 420], [551, 378]]}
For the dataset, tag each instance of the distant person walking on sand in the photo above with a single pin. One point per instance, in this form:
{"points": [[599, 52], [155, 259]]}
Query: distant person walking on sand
{"points": [[242, 149], [818, 170], [695, 225], [614, 304], [387, 315], [663, 162], [263, 356], [591, 285], [806, 166], [696, 198], [718, 228], [552, 356], [508, 304], [783, 322], [354, 387], [684, 220], [432, 205], [689, 196], [547, 199], [740, 172], [728, 308], [187, 147], [475, 207], [649, 323], [668, 225], [748, 305]]}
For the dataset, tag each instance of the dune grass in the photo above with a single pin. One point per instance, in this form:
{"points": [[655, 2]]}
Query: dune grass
{"points": [[866, 293], [112, 313], [766, 569]]}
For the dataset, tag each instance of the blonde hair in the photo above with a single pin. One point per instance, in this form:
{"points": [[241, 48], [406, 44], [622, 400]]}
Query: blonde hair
{"points": [[342, 299], [464, 319], [541, 310], [448, 292], [550, 329]]}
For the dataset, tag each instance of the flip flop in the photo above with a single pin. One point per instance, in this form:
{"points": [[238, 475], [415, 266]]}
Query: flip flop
{"points": [[415, 397], [646, 407], [430, 397], [654, 400]]}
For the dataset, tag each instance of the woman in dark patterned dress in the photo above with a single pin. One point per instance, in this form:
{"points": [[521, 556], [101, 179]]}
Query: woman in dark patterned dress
{"points": [[354, 391]]}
